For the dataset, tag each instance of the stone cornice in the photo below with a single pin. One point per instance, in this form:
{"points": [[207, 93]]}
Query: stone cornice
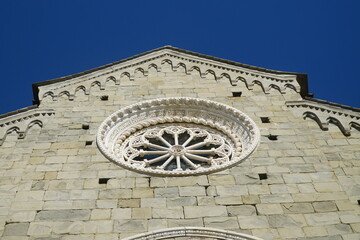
{"points": [[346, 119], [191, 61], [21, 121]]}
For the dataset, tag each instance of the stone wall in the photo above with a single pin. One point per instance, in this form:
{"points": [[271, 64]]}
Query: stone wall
{"points": [[55, 184]]}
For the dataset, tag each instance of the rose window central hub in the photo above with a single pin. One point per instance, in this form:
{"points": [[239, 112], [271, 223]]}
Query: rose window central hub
{"points": [[177, 150]]}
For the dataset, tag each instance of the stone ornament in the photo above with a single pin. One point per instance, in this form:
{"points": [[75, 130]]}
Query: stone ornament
{"points": [[177, 137], [192, 233]]}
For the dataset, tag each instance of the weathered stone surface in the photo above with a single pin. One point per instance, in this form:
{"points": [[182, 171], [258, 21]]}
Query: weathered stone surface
{"points": [[124, 203], [349, 217], [166, 192], [276, 198], [297, 208], [142, 193], [99, 226], [204, 211], [321, 219], [152, 202], [251, 222], [243, 210], [282, 221], [290, 232], [231, 190], [63, 215], [221, 180], [156, 224], [115, 193], [221, 222], [181, 201], [22, 216], [339, 229], [196, 222], [75, 227], [265, 209], [228, 200], [174, 212], [40, 228], [100, 214], [141, 213], [316, 231], [121, 213], [130, 226], [16, 229], [55, 187], [324, 206], [191, 191]]}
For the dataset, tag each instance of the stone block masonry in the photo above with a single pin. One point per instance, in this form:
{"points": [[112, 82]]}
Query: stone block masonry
{"points": [[55, 184]]}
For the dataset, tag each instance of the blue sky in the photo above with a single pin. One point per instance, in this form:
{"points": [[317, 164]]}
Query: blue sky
{"points": [[41, 40]]}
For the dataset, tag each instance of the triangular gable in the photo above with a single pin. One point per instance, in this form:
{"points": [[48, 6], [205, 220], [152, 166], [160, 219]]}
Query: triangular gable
{"points": [[177, 58]]}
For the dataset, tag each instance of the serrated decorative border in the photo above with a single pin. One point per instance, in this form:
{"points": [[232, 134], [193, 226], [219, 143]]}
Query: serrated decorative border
{"points": [[192, 232], [237, 126]]}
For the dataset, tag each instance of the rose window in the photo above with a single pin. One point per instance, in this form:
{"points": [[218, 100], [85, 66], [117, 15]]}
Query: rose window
{"points": [[176, 148], [177, 137]]}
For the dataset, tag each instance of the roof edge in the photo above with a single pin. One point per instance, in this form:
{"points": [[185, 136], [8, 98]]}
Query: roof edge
{"points": [[300, 77], [316, 100], [21, 110]]}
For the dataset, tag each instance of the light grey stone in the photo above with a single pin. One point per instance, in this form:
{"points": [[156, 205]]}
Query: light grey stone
{"points": [[181, 201], [174, 212], [243, 210], [297, 208], [16, 229], [282, 221], [152, 202], [130, 226], [115, 193], [63, 215], [194, 222], [228, 200], [237, 190], [252, 222], [336, 237], [166, 192], [192, 191], [221, 222], [276, 198], [204, 211], [321, 219], [339, 229], [325, 206]]}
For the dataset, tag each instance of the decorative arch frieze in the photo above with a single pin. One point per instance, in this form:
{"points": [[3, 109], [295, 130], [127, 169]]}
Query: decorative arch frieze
{"points": [[186, 63], [21, 123], [323, 115], [191, 233]]}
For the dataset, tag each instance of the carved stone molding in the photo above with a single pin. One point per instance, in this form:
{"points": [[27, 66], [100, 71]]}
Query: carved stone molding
{"points": [[177, 137], [191, 233], [176, 62], [22, 122], [323, 115]]}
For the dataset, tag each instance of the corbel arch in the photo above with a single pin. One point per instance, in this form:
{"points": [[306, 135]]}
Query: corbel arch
{"points": [[336, 122], [313, 116]]}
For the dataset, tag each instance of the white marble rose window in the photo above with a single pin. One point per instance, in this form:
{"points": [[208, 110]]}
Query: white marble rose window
{"points": [[177, 137]]}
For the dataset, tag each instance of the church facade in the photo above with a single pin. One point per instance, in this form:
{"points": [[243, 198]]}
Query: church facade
{"points": [[172, 144]]}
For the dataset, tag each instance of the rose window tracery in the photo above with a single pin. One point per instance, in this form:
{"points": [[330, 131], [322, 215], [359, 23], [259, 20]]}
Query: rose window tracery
{"points": [[177, 137], [176, 148]]}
